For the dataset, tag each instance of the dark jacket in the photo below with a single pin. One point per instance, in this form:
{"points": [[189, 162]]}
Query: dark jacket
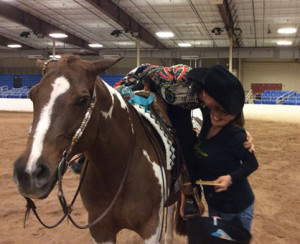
{"points": [[224, 154]]}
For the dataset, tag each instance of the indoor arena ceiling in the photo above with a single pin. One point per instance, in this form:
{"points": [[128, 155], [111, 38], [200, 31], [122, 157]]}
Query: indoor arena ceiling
{"points": [[115, 24]]}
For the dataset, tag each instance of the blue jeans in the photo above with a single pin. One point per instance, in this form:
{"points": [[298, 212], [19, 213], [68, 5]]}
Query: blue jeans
{"points": [[245, 216]]}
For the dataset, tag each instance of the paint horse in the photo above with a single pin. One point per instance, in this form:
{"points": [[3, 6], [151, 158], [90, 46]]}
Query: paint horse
{"points": [[123, 164]]}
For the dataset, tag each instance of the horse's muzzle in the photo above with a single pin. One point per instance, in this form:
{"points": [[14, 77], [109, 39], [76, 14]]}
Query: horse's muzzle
{"points": [[35, 184]]}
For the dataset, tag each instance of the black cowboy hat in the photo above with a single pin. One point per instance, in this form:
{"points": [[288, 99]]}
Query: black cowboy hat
{"points": [[222, 85]]}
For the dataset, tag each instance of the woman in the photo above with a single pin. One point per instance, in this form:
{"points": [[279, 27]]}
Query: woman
{"points": [[222, 157], [184, 88]]}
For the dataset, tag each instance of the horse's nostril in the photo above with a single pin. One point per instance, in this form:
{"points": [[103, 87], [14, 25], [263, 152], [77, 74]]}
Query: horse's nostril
{"points": [[41, 175], [20, 176]]}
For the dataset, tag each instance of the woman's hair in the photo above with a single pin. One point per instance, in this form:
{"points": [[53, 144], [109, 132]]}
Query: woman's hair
{"points": [[239, 119], [196, 88]]}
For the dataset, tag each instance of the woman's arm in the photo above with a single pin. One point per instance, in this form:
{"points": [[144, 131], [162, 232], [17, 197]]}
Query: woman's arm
{"points": [[246, 168], [248, 160], [248, 165]]}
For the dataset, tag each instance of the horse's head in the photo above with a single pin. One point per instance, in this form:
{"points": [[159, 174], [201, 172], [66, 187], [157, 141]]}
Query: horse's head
{"points": [[60, 101]]}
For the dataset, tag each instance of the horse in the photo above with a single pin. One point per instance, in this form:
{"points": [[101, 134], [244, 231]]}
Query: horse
{"points": [[74, 112]]}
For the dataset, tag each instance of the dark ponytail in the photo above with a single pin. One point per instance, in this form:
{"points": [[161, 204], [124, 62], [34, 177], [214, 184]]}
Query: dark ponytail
{"points": [[239, 119]]}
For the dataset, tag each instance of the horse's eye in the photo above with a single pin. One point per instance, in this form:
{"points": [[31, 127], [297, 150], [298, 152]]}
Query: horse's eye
{"points": [[82, 101]]}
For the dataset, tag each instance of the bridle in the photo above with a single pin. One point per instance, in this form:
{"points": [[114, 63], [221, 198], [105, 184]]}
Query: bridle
{"points": [[46, 64], [63, 165]]}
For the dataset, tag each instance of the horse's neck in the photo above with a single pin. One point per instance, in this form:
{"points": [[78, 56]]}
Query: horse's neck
{"points": [[115, 129]]}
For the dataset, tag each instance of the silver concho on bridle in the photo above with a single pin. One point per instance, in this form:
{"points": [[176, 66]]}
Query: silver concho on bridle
{"points": [[46, 64], [85, 121]]}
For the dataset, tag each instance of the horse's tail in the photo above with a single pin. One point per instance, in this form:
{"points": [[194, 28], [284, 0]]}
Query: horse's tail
{"points": [[181, 224]]}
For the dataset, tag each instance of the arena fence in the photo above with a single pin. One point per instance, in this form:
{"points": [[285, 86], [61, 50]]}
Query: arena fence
{"points": [[278, 97], [18, 85]]}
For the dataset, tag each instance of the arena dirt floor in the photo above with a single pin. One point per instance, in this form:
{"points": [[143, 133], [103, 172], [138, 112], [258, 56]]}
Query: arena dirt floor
{"points": [[276, 186]]}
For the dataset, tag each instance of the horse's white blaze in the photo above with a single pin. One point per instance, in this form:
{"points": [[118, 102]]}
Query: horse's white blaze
{"points": [[121, 100], [113, 92], [160, 175], [60, 86]]}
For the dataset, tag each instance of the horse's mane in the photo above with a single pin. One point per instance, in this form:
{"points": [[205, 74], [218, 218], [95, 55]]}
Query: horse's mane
{"points": [[69, 58]]}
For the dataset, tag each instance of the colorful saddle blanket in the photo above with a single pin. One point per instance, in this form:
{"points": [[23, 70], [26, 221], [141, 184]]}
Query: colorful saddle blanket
{"points": [[171, 83]]}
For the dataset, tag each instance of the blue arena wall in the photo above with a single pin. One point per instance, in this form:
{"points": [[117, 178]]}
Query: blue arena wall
{"points": [[7, 82]]}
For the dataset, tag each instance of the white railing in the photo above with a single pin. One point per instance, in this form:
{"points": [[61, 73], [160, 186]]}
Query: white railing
{"points": [[248, 96], [279, 100]]}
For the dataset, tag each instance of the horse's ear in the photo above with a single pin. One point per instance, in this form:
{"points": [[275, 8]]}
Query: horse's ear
{"points": [[40, 63], [103, 64]]}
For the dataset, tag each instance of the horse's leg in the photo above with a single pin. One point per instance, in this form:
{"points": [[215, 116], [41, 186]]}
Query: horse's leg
{"points": [[107, 242], [104, 242], [169, 232], [104, 233], [170, 225], [151, 228]]}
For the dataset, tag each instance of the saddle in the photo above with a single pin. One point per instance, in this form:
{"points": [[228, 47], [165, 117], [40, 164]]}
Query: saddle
{"points": [[178, 179], [156, 115]]}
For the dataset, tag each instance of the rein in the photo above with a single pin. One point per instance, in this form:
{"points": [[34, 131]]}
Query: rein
{"points": [[67, 208]]}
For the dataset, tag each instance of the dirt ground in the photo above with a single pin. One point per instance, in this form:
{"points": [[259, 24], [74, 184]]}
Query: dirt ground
{"points": [[275, 184]]}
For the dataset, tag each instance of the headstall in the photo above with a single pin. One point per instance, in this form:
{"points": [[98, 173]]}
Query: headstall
{"points": [[46, 64], [62, 166]]}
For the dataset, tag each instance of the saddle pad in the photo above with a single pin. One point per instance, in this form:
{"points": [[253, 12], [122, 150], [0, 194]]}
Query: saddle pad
{"points": [[169, 148]]}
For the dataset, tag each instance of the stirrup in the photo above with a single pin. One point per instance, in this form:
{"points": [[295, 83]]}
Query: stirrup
{"points": [[191, 204], [197, 196]]}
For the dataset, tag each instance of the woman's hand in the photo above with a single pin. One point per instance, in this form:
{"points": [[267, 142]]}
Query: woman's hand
{"points": [[224, 182], [249, 143]]}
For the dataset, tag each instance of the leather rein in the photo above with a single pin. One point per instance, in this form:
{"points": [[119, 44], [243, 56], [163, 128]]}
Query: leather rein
{"points": [[62, 167]]}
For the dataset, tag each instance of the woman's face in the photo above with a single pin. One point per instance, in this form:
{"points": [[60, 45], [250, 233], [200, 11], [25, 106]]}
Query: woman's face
{"points": [[218, 115]]}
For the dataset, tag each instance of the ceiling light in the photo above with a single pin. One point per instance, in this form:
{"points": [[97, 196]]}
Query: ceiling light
{"points": [[166, 34], [284, 43], [56, 56], [14, 45], [184, 44], [287, 30], [58, 35], [57, 44], [125, 43], [95, 45], [216, 2], [111, 56]]}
